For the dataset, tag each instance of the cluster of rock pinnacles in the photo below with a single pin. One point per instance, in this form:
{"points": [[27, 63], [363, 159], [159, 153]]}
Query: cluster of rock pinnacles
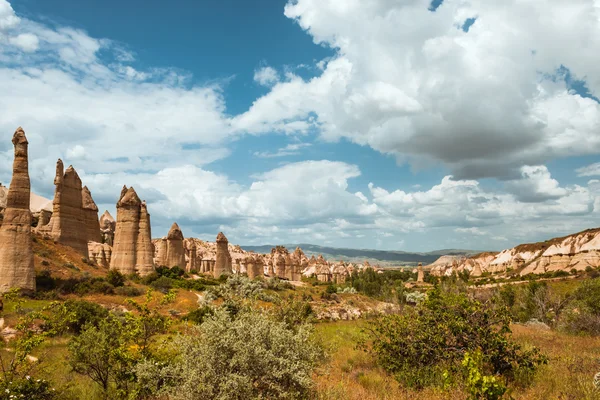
{"points": [[124, 245]]}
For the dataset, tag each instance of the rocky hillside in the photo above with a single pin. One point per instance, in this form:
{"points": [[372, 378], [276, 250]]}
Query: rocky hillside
{"points": [[577, 251], [381, 257]]}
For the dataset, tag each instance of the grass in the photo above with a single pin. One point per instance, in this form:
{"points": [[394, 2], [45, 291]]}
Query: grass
{"points": [[352, 374]]}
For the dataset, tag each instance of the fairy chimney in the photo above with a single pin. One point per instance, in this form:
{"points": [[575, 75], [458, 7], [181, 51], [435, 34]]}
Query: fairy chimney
{"points": [[420, 273], [175, 251], [144, 258], [16, 253], [74, 219], [132, 250], [90, 216], [223, 262]]}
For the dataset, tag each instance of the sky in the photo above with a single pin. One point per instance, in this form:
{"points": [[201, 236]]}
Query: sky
{"points": [[389, 124]]}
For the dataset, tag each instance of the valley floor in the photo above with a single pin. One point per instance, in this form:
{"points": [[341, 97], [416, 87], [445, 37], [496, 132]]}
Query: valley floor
{"points": [[351, 374]]}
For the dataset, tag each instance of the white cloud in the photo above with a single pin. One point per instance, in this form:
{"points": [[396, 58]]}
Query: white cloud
{"points": [[77, 152], [26, 41], [8, 19], [266, 76], [535, 185], [289, 150], [410, 82], [590, 170]]}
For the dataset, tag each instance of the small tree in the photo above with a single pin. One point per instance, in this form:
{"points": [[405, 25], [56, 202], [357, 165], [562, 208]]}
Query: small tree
{"points": [[249, 357]]}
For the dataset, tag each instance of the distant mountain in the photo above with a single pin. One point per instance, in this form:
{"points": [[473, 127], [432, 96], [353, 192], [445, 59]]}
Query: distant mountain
{"points": [[378, 256]]}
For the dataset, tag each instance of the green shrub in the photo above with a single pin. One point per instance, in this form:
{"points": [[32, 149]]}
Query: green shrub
{"points": [[163, 284], [129, 291], [480, 386], [115, 278], [248, 357], [73, 315], [28, 388], [426, 340], [199, 315]]}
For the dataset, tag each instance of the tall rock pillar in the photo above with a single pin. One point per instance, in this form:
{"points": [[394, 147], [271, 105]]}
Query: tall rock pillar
{"points": [[144, 260], [175, 250], [223, 262], [16, 252], [126, 232]]}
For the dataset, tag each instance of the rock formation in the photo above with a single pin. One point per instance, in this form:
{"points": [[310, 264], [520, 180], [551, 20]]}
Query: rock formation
{"points": [[107, 228], [573, 252], [100, 253], [420, 274], [223, 261], [175, 250], [133, 250], [192, 256], [16, 253], [90, 216], [74, 221], [254, 267], [144, 263]]}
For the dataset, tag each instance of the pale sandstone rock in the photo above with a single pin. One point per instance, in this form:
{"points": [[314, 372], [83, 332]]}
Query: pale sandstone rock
{"points": [[74, 219], [144, 263], [90, 216], [132, 250], [100, 253], [420, 274], [175, 250], [192, 256], [16, 253], [223, 258], [107, 228]]}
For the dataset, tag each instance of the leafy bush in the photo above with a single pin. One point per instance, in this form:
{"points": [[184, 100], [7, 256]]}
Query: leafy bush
{"points": [[129, 291], [74, 314], [115, 278], [249, 357], [163, 284], [199, 315], [28, 388], [480, 386], [419, 345], [277, 284]]}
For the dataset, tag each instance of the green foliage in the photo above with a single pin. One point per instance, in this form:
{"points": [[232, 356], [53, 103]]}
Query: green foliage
{"points": [[248, 357], [293, 312], [380, 285], [28, 388], [108, 352], [426, 340], [480, 386], [115, 278], [277, 284], [16, 370], [73, 315], [199, 315], [129, 291]]}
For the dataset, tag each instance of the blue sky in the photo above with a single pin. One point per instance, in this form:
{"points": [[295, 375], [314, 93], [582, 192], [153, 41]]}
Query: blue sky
{"points": [[409, 126]]}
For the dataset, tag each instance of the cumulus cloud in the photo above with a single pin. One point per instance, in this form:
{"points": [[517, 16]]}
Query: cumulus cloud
{"points": [[405, 80], [536, 184], [589, 170], [412, 82], [26, 41], [8, 19], [266, 76]]}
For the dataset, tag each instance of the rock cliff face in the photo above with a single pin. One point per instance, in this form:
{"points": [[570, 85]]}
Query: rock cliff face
{"points": [[16, 253], [107, 228], [223, 258], [132, 251], [577, 251], [74, 219], [191, 256]]}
